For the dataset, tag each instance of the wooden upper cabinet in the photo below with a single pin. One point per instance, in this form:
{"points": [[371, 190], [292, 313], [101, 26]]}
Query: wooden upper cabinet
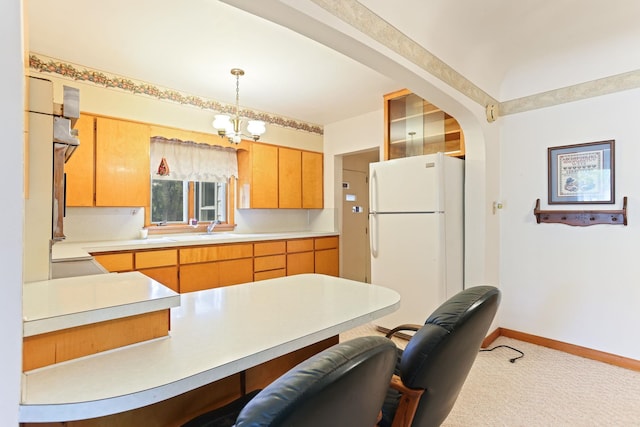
{"points": [[258, 177], [289, 178], [312, 180], [271, 176], [122, 163], [80, 168], [413, 127]]}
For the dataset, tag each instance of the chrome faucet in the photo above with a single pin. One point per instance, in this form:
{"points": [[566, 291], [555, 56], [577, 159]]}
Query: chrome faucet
{"points": [[212, 225]]}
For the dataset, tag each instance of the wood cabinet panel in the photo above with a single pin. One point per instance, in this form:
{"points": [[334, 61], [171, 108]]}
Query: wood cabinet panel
{"points": [[80, 169], [198, 277], [270, 262], [59, 346], [327, 262], [115, 262], [235, 271], [122, 163], [159, 258], [214, 253], [269, 248], [312, 180], [270, 274], [299, 245], [168, 276], [258, 177], [300, 263], [320, 243], [289, 178]]}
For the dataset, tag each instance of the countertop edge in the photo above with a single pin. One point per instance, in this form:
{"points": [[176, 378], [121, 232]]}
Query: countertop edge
{"points": [[98, 408]]}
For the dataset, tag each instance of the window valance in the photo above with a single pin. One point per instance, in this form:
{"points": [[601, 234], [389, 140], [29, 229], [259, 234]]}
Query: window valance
{"points": [[191, 161]]}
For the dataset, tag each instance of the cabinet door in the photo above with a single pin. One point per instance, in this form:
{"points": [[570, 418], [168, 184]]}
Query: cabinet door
{"points": [[80, 168], [264, 176], [236, 271], [312, 180], [289, 178], [197, 277], [327, 262], [122, 163], [299, 263], [168, 276]]}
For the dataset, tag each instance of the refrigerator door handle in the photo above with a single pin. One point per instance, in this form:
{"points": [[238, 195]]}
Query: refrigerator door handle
{"points": [[373, 191], [373, 236]]}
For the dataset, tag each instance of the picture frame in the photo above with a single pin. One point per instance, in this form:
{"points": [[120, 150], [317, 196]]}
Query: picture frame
{"points": [[582, 173]]}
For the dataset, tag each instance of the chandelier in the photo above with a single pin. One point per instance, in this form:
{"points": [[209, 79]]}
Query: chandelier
{"points": [[230, 126]]}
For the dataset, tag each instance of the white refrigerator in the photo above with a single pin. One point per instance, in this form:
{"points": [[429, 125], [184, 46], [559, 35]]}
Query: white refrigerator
{"points": [[416, 223]]}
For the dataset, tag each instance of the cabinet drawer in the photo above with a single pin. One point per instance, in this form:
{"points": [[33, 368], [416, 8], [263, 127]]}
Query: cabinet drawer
{"points": [[271, 274], [326, 243], [116, 262], [156, 258], [299, 245], [269, 248], [215, 253], [269, 262]]}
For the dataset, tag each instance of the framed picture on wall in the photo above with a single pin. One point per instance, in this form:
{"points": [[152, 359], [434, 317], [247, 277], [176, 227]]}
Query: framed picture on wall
{"points": [[582, 173]]}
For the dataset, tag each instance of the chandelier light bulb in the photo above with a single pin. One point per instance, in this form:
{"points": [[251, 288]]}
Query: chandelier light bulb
{"points": [[226, 126]]}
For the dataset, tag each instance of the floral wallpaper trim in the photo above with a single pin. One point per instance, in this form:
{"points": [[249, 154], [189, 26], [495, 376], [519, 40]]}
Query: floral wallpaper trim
{"points": [[45, 64]]}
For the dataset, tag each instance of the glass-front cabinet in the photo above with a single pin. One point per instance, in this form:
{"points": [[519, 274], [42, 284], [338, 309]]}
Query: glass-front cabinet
{"points": [[413, 127]]}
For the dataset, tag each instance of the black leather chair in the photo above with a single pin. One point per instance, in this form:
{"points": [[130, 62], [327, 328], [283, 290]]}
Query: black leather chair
{"points": [[342, 386], [437, 359]]}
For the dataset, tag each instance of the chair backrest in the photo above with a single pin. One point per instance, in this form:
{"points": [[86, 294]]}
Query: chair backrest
{"points": [[439, 356], [342, 386]]}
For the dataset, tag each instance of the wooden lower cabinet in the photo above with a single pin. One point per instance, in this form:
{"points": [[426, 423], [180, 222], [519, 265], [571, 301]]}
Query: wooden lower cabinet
{"points": [[117, 262], [168, 276], [300, 263], [327, 259], [208, 275], [196, 268], [327, 262], [270, 260], [198, 277], [160, 265]]}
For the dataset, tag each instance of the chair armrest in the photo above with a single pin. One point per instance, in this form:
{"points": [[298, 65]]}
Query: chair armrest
{"points": [[408, 403], [405, 327]]}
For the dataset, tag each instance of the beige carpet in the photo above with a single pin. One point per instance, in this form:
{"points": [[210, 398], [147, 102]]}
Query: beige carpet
{"points": [[544, 388]]}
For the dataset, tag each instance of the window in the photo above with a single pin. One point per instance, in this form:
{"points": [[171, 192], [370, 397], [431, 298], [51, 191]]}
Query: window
{"points": [[168, 201], [210, 201], [191, 181]]}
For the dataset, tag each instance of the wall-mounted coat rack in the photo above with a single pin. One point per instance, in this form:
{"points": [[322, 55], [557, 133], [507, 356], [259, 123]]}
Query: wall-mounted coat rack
{"points": [[582, 218]]}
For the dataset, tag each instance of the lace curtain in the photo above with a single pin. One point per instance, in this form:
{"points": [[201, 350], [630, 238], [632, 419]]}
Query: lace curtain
{"points": [[191, 161]]}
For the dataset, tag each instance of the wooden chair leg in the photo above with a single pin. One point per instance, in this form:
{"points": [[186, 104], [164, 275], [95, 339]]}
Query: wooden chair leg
{"points": [[408, 403]]}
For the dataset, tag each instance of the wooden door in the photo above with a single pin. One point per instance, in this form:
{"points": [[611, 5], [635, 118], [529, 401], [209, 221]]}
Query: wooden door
{"points": [[312, 180], [122, 163], [355, 223], [289, 178], [80, 168]]}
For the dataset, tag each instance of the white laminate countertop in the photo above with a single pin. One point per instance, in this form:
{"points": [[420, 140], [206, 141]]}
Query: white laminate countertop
{"points": [[214, 333], [81, 250], [52, 305]]}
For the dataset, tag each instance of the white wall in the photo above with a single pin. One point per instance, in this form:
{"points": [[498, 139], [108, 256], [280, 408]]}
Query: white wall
{"points": [[11, 215], [573, 284]]}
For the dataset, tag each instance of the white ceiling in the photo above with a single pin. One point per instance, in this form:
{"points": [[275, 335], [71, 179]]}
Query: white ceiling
{"points": [[507, 48]]}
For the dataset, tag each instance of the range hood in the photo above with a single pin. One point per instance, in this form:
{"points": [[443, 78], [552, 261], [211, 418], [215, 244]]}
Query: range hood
{"points": [[65, 117]]}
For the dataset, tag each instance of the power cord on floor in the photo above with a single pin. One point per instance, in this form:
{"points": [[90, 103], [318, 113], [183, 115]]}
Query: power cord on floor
{"points": [[513, 360]]}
